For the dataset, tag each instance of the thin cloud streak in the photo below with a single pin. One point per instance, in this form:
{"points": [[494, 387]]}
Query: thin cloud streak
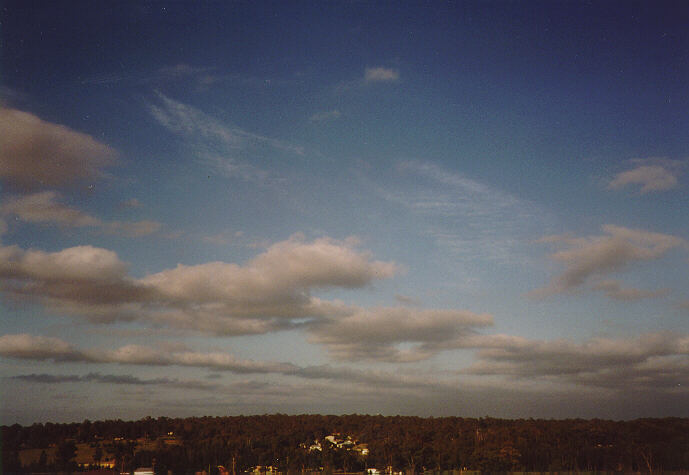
{"points": [[588, 258], [45, 208], [114, 379], [654, 362], [463, 216], [228, 148], [652, 175]]}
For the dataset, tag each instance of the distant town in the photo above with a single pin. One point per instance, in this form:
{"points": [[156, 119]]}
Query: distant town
{"points": [[345, 444]]}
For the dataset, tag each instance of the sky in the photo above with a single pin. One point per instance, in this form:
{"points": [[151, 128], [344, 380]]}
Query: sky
{"points": [[420, 208]]}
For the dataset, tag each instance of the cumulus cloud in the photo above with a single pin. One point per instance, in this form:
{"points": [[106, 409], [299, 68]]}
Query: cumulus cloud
{"points": [[651, 174], [45, 208], [595, 256], [381, 74], [39, 154], [377, 333], [263, 295], [83, 280], [614, 290], [277, 282]]}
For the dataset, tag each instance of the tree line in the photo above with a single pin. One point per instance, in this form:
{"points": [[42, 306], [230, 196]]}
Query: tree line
{"points": [[409, 444]]}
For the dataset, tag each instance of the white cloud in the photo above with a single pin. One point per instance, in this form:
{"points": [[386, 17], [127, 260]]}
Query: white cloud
{"points": [[652, 361], [44, 208], [656, 362], [39, 154], [280, 276], [232, 150], [218, 297], [325, 116], [114, 379], [614, 290], [595, 256], [377, 333], [25, 346], [463, 216], [652, 175], [381, 74], [75, 263], [29, 347]]}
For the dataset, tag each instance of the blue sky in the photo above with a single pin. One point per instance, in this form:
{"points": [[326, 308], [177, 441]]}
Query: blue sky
{"points": [[428, 208]]}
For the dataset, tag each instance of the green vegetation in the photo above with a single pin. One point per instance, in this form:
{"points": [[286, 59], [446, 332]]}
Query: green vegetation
{"points": [[297, 443]]}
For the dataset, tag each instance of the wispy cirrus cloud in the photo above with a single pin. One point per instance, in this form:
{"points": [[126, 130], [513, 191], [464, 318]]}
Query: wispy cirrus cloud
{"points": [[232, 150], [587, 258], [652, 175], [463, 216]]}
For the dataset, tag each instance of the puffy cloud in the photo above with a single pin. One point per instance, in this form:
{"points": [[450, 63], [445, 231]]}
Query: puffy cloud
{"points": [[381, 74], [652, 175], [594, 256], [85, 263], [614, 290], [264, 295], [275, 283], [44, 208], [82, 280], [377, 333], [38, 154]]}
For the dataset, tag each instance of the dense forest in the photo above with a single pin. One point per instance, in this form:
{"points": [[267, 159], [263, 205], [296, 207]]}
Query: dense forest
{"points": [[310, 442]]}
